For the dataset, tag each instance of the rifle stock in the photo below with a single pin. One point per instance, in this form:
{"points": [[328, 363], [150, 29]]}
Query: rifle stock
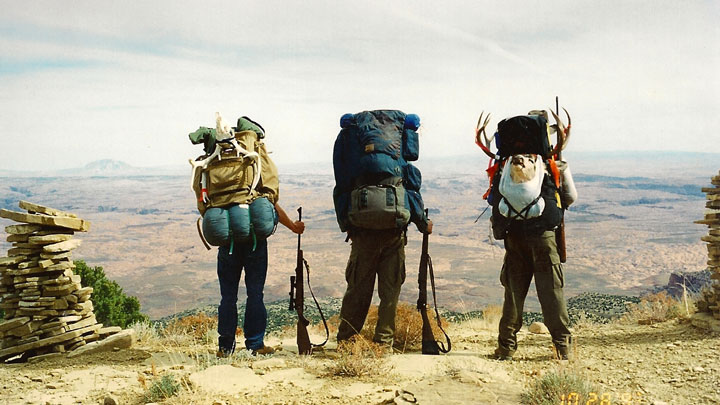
{"points": [[297, 300], [429, 345]]}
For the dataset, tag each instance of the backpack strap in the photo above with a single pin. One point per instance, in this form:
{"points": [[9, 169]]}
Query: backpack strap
{"points": [[522, 214], [491, 171], [554, 171]]}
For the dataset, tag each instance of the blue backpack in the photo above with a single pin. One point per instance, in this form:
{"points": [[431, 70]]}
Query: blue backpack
{"points": [[374, 180]]}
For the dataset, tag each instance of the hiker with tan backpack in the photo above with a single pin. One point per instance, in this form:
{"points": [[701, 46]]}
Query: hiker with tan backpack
{"points": [[237, 189]]}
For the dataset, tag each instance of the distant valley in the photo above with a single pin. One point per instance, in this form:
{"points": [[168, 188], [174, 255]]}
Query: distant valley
{"points": [[630, 228]]}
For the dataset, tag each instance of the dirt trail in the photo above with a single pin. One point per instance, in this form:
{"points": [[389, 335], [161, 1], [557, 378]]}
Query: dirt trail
{"points": [[667, 363]]}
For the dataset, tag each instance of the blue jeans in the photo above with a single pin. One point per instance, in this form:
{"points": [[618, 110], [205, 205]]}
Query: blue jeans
{"points": [[229, 269]]}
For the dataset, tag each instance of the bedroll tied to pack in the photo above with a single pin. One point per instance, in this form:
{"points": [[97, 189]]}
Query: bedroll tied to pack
{"points": [[239, 223], [370, 160]]}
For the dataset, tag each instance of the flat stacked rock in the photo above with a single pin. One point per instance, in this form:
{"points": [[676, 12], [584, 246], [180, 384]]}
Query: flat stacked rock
{"points": [[46, 308], [710, 301]]}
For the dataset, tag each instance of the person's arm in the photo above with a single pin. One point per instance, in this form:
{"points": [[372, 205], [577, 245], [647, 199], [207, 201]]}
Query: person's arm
{"points": [[297, 227]]}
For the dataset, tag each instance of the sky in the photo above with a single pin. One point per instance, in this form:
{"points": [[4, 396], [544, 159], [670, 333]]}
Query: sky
{"points": [[88, 80]]}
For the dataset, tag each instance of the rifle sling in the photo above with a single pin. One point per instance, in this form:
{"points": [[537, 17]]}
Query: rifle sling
{"points": [[322, 316], [437, 314]]}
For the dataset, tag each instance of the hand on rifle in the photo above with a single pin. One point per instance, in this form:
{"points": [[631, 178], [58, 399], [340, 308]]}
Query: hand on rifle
{"points": [[297, 227], [429, 227]]}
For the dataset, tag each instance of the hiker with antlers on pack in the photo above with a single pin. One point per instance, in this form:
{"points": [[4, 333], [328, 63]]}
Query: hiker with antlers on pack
{"points": [[530, 186], [237, 190]]}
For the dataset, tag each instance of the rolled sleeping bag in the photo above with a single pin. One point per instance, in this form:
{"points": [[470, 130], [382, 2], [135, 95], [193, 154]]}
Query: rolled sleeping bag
{"points": [[240, 222], [221, 223], [263, 217], [216, 226]]}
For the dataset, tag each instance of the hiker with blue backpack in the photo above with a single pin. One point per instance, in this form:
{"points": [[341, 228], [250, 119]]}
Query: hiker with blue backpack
{"points": [[237, 189], [530, 186], [376, 195]]}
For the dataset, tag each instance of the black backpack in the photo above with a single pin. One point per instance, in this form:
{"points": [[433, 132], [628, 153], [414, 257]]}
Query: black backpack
{"points": [[523, 134]]}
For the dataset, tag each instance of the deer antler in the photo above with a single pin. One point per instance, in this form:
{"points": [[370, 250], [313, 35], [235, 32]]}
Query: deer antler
{"points": [[563, 132], [483, 143]]}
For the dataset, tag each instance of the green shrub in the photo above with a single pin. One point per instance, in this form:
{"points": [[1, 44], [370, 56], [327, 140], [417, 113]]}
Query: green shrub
{"points": [[558, 387], [111, 306], [161, 389]]}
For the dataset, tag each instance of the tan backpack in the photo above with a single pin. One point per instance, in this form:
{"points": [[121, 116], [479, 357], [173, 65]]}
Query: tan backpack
{"points": [[238, 171]]}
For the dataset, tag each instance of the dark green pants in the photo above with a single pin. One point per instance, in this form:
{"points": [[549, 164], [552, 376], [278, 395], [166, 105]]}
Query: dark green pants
{"points": [[526, 257], [373, 252]]}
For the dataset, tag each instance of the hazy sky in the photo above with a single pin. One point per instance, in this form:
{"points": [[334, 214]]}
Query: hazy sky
{"points": [[88, 80]]}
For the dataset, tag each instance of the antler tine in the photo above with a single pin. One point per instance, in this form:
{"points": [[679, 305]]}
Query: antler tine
{"points": [[567, 130], [561, 134], [480, 129]]}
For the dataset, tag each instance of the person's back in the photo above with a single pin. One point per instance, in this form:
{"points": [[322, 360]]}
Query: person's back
{"points": [[377, 192], [237, 190]]}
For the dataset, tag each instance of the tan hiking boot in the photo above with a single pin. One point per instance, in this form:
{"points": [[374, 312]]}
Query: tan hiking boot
{"points": [[265, 350]]}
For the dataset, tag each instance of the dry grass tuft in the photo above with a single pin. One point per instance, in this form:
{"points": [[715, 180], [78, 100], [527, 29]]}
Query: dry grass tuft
{"points": [[408, 326], [488, 321], [655, 308], [359, 357], [197, 326]]}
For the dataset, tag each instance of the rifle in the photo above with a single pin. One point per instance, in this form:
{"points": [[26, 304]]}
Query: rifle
{"points": [[429, 344], [297, 301], [560, 231]]}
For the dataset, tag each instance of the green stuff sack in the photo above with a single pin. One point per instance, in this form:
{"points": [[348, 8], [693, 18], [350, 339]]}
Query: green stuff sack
{"points": [[379, 206], [240, 223], [263, 217], [216, 226]]}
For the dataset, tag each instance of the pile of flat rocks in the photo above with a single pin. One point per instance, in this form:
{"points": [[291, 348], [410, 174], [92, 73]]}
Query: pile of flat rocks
{"points": [[46, 308], [710, 301]]}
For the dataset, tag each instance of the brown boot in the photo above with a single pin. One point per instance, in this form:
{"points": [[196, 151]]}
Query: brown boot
{"points": [[265, 350]]}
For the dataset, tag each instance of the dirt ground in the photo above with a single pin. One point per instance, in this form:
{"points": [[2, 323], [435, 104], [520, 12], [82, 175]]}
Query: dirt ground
{"points": [[666, 363]]}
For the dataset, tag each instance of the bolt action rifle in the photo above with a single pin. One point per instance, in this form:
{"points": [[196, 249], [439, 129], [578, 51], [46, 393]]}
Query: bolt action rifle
{"points": [[297, 301], [560, 231], [429, 344]]}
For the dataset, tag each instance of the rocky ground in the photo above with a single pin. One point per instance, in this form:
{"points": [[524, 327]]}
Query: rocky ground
{"points": [[666, 363]]}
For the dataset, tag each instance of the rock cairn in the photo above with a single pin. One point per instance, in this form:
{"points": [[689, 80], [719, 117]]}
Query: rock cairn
{"points": [[710, 301], [46, 308]]}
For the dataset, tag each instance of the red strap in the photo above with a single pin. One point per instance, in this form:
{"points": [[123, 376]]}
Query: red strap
{"points": [[555, 172], [491, 171]]}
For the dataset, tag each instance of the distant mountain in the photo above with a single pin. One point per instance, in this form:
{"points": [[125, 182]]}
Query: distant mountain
{"points": [[107, 166], [102, 168]]}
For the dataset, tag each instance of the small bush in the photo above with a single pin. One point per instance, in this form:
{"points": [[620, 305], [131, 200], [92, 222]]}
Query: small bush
{"points": [[557, 387], [110, 304], [654, 308], [358, 357], [408, 326], [145, 331], [162, 389]]}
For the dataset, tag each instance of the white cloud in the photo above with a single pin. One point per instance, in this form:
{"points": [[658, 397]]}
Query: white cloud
{"points": [[111, 80]]}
